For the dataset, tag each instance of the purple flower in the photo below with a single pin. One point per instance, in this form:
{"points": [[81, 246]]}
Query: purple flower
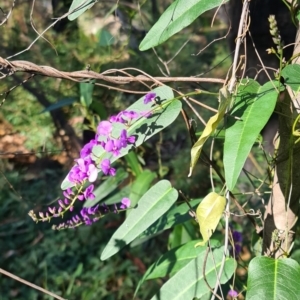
{"points": [[106, 168], [92, 173], [86, 212], [87, 149], [233, 293], [125, 203], [68, 193], [104, 128], [130, 115], [87, 194], [85, 169], [149, 97], [113, 146], [237, 236], [126, 140], [117, 118], [237, 240]]}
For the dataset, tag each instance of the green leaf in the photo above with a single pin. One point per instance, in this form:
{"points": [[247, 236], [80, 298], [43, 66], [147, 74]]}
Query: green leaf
{"points": [[134, 163], [253, 108], [140, 186], [189, 282], [174, 216], [86, 93], [181, 234], [150, 207], [270, 278], [108, 186], [79, 7], [105, 38], [164, 112], [59, 104], [177, 16], [117, 197], [99, 109], [298, 14], [209, 213], [213, 122], [174, 260], [291, 75]]}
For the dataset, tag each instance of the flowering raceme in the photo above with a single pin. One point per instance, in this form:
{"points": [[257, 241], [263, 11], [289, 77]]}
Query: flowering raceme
{"points": [[85, 172]]}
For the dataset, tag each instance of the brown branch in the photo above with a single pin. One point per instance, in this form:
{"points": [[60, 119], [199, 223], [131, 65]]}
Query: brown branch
{"points": [[12, 67]]}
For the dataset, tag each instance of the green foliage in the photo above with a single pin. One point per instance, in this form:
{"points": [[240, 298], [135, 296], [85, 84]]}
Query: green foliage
{"points": [[189, 282], [140, 186], [175, 259], [150, 207], [273, 279], [68, 262], [290, 73], [253, 107], [59, 104], [176, 17], [86, 93], [78, 7], [175, 216]]}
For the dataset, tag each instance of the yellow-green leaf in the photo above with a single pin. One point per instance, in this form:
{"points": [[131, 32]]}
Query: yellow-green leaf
{"points": [[209, 213], [213, 122]]}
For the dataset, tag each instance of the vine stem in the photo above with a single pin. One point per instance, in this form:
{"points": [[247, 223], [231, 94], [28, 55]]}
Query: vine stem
{"points": [[239, 39]]}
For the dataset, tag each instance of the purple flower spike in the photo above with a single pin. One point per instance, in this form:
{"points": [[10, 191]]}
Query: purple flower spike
{"points": [[104, 128], [106, 168], [125, 203], [149, 97], [233, 293]]}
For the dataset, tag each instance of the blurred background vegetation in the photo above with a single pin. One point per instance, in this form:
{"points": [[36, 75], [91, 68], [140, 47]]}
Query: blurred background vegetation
{"points": [[43, 124]]}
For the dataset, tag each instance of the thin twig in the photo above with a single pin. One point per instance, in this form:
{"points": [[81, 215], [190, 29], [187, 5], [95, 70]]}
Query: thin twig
{"points": [[50, 26], [204, 267], [239, 39], [210, 166], [30, 284], [9, 13]]}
